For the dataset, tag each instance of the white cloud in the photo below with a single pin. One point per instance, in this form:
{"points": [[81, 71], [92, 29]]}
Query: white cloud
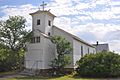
{"points": [[114, 3], [102, 15], [62, 1], [80, 6], [115, 10], [114, 45], [102, 1], [74, 24], [22, 10]]}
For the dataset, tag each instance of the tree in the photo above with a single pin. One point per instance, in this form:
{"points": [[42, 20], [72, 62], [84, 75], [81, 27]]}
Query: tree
{"points": [[63, 49], [13, 32], [103, 64], [13, 36]]}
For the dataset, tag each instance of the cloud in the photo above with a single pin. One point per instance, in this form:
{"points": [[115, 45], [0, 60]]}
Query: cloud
{"points": [[89, 19], [22, 10], [114, 45], [87, 36], [112, 35]]}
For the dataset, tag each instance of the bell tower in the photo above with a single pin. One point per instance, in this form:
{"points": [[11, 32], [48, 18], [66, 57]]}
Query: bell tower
{"points": [[42, 20]]}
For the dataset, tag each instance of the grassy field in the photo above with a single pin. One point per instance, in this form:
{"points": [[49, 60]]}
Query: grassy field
{"points": [[68, 77], [13, 76]]}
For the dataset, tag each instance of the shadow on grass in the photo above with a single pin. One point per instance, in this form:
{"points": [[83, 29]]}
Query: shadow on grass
{"points": [[38, 77]]}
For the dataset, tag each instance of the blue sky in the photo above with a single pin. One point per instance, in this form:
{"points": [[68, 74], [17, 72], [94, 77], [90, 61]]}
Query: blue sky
{"points": [[91, 20]]}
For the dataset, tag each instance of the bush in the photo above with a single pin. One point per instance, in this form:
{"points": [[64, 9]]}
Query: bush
{"points": [[103, 64], [10, 60]]}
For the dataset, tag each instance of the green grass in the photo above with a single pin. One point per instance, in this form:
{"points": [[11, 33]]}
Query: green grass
{"points": [[67, 77]]}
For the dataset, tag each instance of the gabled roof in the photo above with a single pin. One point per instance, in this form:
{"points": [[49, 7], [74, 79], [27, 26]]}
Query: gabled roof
{"points": [[43, 34], [39, 12], [75, 37]]}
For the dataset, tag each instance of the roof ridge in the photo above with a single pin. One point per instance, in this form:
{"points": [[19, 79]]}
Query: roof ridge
{"points": [[74, 36]]}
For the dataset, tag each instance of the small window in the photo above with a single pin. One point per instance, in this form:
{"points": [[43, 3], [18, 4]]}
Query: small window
{"points": [[88, 51], [48, 33], [81, 51], [38, 22], [37, 39], [49, 23], [33, 40]]}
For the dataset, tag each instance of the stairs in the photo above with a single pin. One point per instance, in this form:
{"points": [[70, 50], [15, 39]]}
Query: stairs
{"points": [[29, 72]]}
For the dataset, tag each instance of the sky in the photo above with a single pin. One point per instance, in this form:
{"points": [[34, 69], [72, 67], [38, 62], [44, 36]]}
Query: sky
{"points": [[90, 20]]}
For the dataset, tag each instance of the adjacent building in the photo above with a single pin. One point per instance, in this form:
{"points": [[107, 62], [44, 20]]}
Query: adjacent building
{"points": [[101, 47]]}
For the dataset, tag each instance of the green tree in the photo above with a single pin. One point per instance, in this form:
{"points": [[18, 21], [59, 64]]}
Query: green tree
{"points": [[13, 36], [13, 32], [103, 64], [63, 49]]}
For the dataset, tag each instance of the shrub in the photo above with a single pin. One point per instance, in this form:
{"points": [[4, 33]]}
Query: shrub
{"points": [[103, 64], [63, 49], [10, 60]]}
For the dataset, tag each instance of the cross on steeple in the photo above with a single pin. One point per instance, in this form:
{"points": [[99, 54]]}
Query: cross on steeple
{"points": [[43, 5]]}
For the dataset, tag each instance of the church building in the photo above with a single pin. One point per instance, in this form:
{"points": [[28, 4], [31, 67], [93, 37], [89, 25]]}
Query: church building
{"points": [[41, 51]]}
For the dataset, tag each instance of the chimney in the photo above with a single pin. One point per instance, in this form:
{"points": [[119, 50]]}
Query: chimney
{"points": [[97, 42]]}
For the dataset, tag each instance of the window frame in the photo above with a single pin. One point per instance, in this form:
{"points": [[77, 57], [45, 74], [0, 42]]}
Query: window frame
{"points": [[81, 51], [48, 33], [38, 21], [32, 40], [88, 50], [49, 23], [38, 39]]}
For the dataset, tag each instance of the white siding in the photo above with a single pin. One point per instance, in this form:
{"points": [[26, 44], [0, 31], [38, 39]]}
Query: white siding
{"points": [[48, 28], [43, 27], [34, 57], [77, 50], [40, 54], [68, 37], [49, 53]]}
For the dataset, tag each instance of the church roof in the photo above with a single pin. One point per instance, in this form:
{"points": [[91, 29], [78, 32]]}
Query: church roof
{"points": [[45, 35], [39, 11], [101, 47], [75, 37]]}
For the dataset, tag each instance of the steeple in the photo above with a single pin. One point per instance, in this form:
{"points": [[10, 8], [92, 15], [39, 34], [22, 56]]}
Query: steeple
{"points": [[43, 20]]}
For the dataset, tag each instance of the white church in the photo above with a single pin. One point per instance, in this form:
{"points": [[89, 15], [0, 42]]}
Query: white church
{"points": [[41, 51]]}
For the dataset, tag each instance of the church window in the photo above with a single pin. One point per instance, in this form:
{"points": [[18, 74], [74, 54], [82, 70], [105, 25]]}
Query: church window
{"points": [[37, 39], [81, 51], [88, 51], [48, 33], [38, 22], [49, 23], [33, 40]]}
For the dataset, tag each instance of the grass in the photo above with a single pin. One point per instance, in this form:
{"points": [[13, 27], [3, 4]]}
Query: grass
{"points": [[6, 73], [67, 77]]}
